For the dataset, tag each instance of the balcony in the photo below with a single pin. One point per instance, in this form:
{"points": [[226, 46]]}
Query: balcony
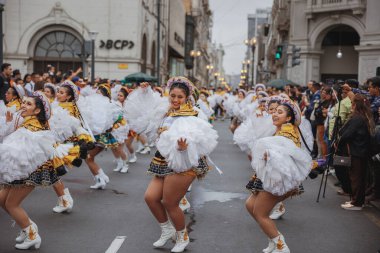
{"points": [[357, 7]]}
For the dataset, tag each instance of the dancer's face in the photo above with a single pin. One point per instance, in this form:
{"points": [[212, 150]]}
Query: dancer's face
{"points": [[28, 107], [177, 98], [272, 108], [62, 95], [48, 93], [241, 95], [203, 97], [280, 116], [120, 97]]}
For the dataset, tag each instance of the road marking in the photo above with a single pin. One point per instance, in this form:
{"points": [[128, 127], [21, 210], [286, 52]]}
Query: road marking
{"points": [[116, 244]]}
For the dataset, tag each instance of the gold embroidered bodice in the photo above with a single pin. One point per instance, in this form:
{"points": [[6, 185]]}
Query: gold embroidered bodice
{"points": [[16, 103], [291, 132], [184, 110], [71, 108], [32, 124]]}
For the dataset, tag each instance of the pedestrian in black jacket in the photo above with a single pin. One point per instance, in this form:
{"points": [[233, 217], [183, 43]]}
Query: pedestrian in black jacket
{"points": [[355, 137], [5, 75]]}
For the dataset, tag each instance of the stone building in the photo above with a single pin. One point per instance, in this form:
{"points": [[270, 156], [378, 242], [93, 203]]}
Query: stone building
{"points": [[339, 39], [42, 32]]}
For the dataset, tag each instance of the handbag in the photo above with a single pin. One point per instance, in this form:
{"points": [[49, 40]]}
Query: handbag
{"points": [[342, 161]]}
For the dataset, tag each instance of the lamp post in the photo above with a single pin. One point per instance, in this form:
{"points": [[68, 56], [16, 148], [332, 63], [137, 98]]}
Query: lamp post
{"points": [[216, 74], [209, 68], [194, 54], [252, 44], [93, 35], [2, 3]]}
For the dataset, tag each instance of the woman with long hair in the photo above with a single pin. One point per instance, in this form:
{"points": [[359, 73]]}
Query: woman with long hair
{"points": [[184, 142], [14, 96], [354, 140], [23, 167], [66, 118], [280, 166]]}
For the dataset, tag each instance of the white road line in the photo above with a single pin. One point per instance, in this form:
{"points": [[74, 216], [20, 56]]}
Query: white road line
{"points": [[116, 244]]}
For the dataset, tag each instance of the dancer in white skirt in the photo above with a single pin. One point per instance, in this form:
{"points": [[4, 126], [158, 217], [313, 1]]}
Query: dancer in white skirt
{"points": [[280, 167], [23, 167], [183, 144]]}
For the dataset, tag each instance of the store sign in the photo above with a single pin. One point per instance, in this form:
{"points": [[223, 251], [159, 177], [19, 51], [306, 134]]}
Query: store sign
{"points": [[122, 66], [116, 44], [179, 40]]}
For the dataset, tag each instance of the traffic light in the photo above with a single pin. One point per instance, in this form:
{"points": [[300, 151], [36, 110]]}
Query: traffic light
{"points": [[278, 54], [296, 56]]}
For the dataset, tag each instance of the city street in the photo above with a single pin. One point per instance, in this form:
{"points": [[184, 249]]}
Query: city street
{"points": [[217, 222]]}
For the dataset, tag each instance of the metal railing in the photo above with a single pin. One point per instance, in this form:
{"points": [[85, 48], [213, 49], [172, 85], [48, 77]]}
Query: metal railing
{"points": [[315, 6]]}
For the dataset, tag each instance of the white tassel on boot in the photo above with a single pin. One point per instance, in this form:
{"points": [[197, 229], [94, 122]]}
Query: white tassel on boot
{"points": [[100, 183], [280, 245], [32, 239], [182, 241], [125, 167], [167, 232], [184, 204], [22, 235], [277, 211], [271, 246]]}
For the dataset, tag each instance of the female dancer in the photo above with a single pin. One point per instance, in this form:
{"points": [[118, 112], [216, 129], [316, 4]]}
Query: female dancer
{"points": [[103, 117], [14, 96], [66, 101], [280, 165], [183, 144], [23, 168], [50, 91], [236, 121], [121, 134]]}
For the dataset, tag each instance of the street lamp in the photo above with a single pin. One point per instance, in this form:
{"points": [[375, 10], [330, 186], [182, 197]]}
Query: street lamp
{"points": [[93, 35], [216, 74], [252, 44], [209, 68]]}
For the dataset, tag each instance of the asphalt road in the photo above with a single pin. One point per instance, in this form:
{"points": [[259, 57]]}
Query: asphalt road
{"points": [[217, 222]]}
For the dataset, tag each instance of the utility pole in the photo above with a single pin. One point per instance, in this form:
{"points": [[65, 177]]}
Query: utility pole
{"points": [[158, 40]]}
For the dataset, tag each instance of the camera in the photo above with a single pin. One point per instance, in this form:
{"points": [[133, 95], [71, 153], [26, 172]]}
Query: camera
{"points": [[376, 158]]}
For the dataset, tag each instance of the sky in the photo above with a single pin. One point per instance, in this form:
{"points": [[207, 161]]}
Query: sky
{"points": [[230, 28]]}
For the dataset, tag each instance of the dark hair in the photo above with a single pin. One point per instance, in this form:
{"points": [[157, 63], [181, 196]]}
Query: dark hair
{"points": [[41, 116], [316, 85], [26, 76], [16, 72], [5, 66], [363, 109], [125, 92], [39, 86], [353, 83], [35, 74], [14, 92], [18, 79], [289, 113], [69, 92], [181, 86], [104, 92], [52, 90], [374, 81]]}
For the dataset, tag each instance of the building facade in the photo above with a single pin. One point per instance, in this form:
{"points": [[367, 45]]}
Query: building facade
{"points": [[42, 32], [339, 39]]}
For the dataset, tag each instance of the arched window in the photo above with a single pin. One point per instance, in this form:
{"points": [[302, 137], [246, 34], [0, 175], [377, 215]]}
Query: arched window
{"points": [[60, 49]]}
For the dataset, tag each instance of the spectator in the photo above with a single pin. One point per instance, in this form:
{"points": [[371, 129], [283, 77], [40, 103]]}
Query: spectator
{"points": [[315, 97], [320, 115], [27, 79], [354, 139], [5, 75], [29, 86]]}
